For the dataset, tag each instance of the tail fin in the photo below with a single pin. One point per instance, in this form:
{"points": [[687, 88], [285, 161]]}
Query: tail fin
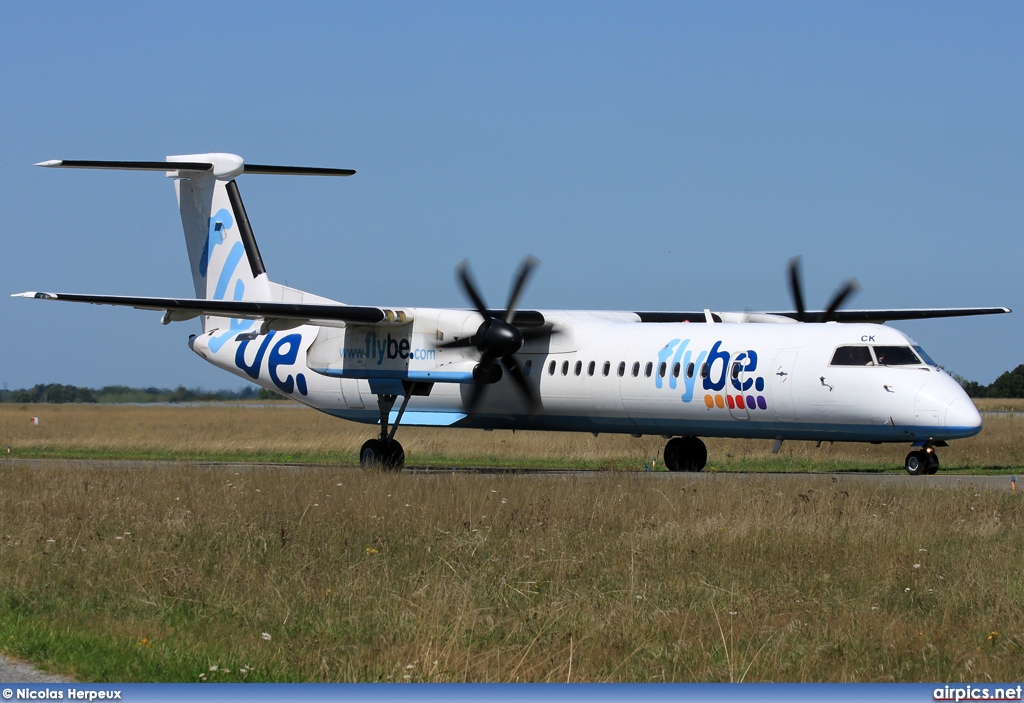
{"points": [[222, 251], [226, 263]]}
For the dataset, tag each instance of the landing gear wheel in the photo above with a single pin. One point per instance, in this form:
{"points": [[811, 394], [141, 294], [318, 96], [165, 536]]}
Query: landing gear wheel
{"points": [[377, 453], [931, 463], [394, 457], [916, 463], [685, 454], [371, 454]]}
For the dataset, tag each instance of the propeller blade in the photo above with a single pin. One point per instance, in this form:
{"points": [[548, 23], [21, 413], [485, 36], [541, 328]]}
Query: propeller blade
{"points": [[519, 378], [476, 392], [529, 263], [848, 289], [467, 284], [795, 288]]}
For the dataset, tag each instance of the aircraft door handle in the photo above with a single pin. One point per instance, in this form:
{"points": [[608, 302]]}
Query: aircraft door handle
{"points": [[888, 388]]}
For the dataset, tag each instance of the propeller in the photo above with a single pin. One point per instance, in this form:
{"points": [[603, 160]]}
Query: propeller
{"points": [[847, 289], [498, 339]]}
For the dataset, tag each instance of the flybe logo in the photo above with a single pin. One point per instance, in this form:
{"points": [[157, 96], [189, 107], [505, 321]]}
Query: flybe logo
{"points": [[379, 349], [726, 380], [284, 352]]}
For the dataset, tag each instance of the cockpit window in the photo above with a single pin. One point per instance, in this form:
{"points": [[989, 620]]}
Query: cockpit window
{"points": [[924, 355], [896, 356], [852, 356]]}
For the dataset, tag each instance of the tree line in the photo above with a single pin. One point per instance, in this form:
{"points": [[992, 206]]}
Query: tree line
{"points": [[1009, 384], [59, 393]]}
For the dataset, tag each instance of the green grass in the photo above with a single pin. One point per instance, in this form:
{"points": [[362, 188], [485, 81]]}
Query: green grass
{"points": [[160, 574]]}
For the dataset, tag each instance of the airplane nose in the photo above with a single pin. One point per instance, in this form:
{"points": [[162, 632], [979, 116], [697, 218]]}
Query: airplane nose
{"points": [[963, 416]]}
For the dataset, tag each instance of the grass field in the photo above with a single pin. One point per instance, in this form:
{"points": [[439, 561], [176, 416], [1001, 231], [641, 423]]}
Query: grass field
{"points": [[315, 574], [186, 572], [286, 432]]}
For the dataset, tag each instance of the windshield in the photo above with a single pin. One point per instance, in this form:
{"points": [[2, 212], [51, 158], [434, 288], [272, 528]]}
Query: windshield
{"points": [[852, 356], [924, 355], [896, 356]]}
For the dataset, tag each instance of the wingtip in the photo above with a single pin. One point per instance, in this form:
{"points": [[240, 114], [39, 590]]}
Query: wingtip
{"points": [[35, 294]]}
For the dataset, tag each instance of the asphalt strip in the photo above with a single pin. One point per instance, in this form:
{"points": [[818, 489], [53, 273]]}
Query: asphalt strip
{"points": [[17, 671]]}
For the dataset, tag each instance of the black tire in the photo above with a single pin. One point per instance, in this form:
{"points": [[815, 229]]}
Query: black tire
{"points": [[916, 463], [674, 451], [698, 454], [394, 457], [685, 454], [371, 454], [931, 463]]}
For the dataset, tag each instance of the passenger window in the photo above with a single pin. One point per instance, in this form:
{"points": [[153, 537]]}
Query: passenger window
{"points": [[636, 369], [852, 356], [590, 368], [579, 368], [527, 367], [896, 356], [648, 369], [675, 370], [689, 370], [607, 368], [735, 370], [551, 369], [704, 370], [565, 368], [622, 369], [662, 369]]}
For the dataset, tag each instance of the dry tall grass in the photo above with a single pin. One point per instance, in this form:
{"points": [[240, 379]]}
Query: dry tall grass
{"points": [[130, 573], [291, 432]]}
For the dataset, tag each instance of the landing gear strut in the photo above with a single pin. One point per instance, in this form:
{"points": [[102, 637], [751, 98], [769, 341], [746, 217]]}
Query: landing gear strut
{"points": [[685, 454], [385, 451], [922, 461]]}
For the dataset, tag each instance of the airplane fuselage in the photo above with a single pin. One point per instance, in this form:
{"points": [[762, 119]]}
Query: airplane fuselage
{"points": [[606, 372]]}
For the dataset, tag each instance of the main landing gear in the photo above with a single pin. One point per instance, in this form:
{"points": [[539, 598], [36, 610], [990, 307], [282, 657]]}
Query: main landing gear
{"points": [[923, 461], [685, 454], [385, 452]]}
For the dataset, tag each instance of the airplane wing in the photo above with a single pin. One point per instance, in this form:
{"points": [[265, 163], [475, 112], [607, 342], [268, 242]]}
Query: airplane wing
{"points": [[872, 316], [880, 316], [180, 309], [177, 309]]}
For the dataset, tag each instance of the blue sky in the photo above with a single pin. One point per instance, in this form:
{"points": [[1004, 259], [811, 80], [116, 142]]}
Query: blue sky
{"points": [[652, 155]]}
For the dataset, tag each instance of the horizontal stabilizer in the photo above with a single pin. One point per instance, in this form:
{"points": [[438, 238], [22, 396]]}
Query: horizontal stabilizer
{"points": [[128, 165], [167, 166]]}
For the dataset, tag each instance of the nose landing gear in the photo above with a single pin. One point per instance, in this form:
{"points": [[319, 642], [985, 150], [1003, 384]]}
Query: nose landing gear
{"points": [[922, 462]]}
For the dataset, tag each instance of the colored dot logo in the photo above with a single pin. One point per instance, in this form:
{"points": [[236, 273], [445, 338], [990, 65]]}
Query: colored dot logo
{"points": [[735, 402]]}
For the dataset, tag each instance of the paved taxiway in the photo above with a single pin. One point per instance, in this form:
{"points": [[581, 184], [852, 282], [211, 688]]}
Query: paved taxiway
{"points": [[1000, 482]]}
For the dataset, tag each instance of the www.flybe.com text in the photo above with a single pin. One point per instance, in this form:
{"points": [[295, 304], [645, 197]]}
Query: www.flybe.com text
{"points": [[379, 348]]}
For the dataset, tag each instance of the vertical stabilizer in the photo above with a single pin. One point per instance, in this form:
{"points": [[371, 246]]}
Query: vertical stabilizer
{"points": [[222, 251]]}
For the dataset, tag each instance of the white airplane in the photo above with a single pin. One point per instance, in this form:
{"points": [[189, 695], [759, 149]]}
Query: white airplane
{"points": [[831, 375]]}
